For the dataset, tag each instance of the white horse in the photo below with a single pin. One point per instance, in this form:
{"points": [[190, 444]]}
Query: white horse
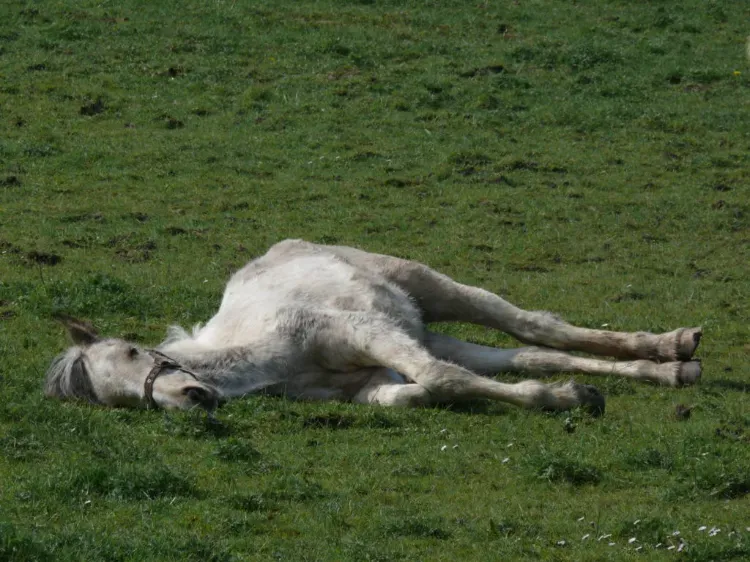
{"points": [[334, 323]]}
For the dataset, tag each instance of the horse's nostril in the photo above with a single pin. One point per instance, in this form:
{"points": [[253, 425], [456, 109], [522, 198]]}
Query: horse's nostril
{"points": [[200, 395]]}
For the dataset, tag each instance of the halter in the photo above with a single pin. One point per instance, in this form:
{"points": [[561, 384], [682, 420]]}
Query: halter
{"points": [[161, 362]]}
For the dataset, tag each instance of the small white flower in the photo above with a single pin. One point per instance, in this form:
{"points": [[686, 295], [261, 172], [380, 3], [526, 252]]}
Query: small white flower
{"points": [[671, 547], [702, 528], [455, 446], [560, 543], [637, 548], [581, 518], [636, 522], [657, 545], [611, 544], [676, 534], [631, 540], [444, 430], [586, 536], [604, 537], [605, 325], [506, 459], [444, 447], [679, 548]]}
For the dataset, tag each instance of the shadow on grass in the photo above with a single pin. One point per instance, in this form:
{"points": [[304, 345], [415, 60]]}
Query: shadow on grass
{"points": [[417, 526], [473, 407], [328, 421], [197, 425], [506, 528], [650, 458], [129, 482], [727, 384], [16, 545], [559, 467], [707, 551], [253, 503], [648, 529], [237, 449], [711, 482]]}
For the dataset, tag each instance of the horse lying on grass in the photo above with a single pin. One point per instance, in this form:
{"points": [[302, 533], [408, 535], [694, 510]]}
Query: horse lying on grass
{"points": [[334, 323]]}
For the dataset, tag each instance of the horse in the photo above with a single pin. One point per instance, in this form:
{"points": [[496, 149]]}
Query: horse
{"points": [[319, 322]]}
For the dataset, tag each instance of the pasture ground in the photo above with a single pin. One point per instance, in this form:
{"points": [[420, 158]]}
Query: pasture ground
{"points": [[589, 158]]}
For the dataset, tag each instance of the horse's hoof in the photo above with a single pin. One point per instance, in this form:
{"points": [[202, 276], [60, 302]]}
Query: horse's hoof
{"points": [[591, 399], [687, 342], [688, 373]]}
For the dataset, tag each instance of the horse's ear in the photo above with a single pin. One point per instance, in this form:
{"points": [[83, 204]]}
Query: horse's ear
{"points": [[81, 332]]}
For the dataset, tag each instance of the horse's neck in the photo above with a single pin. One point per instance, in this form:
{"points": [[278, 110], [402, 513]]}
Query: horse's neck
{"points": [[234, 371]]}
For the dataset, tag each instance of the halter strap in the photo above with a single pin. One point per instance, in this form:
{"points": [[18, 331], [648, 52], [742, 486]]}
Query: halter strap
{"points": [[161, 362]]}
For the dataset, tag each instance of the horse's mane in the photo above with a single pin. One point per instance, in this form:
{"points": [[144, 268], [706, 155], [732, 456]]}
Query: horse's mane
{"points": [[67, 377], [178, 333]]}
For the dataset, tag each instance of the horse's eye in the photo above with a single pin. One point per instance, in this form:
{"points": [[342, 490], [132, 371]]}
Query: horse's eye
{"points": [[132, 352]]}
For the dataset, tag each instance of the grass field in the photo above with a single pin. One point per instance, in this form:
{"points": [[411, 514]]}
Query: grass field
{"points": [[591, 158]]}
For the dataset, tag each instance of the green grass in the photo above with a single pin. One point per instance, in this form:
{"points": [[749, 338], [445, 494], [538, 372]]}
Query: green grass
{"points": [[589, 158]]}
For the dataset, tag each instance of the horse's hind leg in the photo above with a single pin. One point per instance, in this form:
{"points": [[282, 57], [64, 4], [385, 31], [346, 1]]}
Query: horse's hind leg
{"points": [[444, 300], [543, 361]]}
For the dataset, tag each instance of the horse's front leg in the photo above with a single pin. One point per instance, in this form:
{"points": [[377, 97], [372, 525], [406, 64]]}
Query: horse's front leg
{"points": [[545, 361], [360, 339]]}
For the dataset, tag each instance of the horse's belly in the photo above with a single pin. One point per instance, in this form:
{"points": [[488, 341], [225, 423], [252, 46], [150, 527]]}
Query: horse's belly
{"points": [[319, 282], [333, 385]]}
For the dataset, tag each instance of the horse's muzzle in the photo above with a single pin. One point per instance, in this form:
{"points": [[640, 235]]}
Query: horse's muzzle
{"points": [[206, 398]]}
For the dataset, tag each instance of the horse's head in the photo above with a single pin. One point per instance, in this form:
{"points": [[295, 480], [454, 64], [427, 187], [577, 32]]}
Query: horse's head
{"points": [[114, 372]]}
